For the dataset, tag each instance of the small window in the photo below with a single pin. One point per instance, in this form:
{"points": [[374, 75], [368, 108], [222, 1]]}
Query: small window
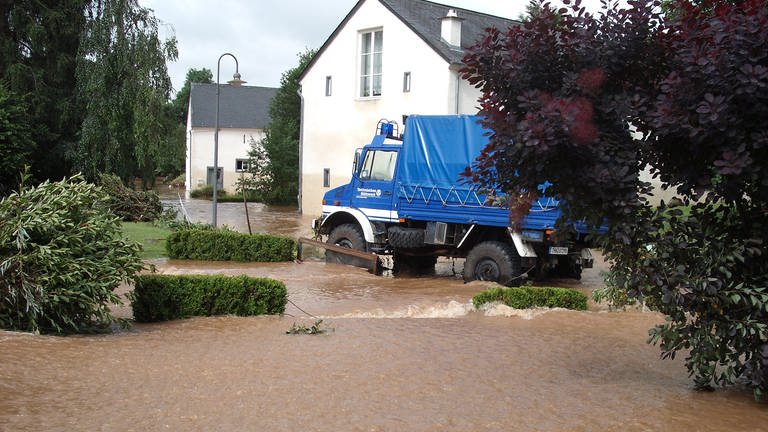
{"points": [[406, 82], [326, 177], [242, 165], [328, 85]]}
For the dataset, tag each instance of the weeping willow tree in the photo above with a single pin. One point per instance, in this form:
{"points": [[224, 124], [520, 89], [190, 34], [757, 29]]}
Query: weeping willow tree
{"points": [[124, 85]]}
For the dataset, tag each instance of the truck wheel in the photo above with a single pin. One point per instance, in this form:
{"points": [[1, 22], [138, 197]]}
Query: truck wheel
{"points": [[405, 238], [348, 236], [493, 261]]}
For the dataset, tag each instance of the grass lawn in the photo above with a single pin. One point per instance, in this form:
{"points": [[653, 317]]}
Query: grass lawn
{"points": [[151, 237]]}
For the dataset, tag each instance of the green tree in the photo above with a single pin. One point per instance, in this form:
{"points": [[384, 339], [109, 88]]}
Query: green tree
{"points": [[181, 100], [62, 256], [39, 45], [693, 84], [173, 147], [124, 85], [16, 145], [278, 179]]}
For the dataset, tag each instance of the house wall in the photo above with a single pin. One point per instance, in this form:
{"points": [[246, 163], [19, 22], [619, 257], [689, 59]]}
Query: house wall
{"points": [[233, 144], [334, 126]]}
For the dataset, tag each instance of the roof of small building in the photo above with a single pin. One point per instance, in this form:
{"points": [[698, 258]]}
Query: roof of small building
{"points": [[424, 18], [245, 107]]}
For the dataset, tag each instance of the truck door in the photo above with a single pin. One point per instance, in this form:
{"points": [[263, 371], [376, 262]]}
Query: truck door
{"points": [[375, 190]]}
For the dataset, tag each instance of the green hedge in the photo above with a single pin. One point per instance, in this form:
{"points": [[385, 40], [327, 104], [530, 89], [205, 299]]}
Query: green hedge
{"points": [[165, 297], [528, 297], [224, 245]]}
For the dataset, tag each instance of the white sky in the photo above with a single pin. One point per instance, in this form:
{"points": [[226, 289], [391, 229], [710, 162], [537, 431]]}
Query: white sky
{"points": [[267, 35]]}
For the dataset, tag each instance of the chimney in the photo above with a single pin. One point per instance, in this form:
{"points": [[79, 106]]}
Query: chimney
{"points": [[450, 29]]}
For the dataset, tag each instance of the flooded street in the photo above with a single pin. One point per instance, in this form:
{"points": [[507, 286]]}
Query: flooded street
{"points": [[404, 354]]}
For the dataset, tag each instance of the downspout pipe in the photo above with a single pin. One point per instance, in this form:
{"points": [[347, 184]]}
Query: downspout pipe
{"points": [[301, 148]]}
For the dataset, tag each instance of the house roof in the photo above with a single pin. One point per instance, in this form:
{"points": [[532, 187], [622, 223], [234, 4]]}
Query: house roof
{"points": [[424, 18], [245, 107]]}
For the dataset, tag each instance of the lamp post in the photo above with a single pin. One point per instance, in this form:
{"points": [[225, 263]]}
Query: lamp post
{"points": [[235, 82]]}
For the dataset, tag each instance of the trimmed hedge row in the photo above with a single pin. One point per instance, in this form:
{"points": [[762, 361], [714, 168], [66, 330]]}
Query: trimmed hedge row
{"points": [[166, 297], [223, 245], [528, 297]]}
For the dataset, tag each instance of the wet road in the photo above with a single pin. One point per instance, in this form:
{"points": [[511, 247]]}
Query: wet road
{"points": [[405, 354]]}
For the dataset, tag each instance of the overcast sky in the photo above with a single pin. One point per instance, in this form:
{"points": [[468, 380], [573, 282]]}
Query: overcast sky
{"points": [[267, 35]]}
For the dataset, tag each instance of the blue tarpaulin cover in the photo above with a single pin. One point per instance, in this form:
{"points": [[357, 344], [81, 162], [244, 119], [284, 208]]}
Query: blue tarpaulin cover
{"points": [[436, 149]]}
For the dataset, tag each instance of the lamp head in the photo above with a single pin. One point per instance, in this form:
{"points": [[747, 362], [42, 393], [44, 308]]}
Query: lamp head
{"points": [[236, 81]]}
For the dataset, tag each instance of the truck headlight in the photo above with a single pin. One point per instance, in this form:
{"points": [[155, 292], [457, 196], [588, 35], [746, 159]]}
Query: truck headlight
{"points": [[532, 235]]}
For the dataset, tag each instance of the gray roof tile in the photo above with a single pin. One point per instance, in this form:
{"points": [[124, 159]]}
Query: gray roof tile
{"points": [[424, 18], [245, 107]]}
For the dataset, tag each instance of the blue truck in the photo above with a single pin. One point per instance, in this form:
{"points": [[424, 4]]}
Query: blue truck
{"points": [[406, 199]]}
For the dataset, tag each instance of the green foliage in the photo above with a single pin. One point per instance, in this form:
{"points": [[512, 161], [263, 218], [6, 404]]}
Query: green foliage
{"points": [[39, 46], [224, 245], [706, 269], [275, 160], [207, 192], [180, 102], [123, 81], [314, 329], [61, 257], [529, 297], [16, 145], [693, 84], [173, 147], [165, 297], [128, 204]]}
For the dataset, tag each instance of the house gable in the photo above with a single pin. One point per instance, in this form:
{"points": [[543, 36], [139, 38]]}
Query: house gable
{"points": [[423, 18]]}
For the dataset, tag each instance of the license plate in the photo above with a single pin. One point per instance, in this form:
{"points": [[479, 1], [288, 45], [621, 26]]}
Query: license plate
{"points": [[558, 250]]}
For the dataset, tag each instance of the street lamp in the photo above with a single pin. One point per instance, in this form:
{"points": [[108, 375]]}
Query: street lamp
{"points": [[235, 82]]}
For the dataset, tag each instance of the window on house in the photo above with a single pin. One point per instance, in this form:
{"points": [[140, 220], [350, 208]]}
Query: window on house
{"points": [[406, 82], [328, 85], [326, 177], [241, 165], [371, 48]]}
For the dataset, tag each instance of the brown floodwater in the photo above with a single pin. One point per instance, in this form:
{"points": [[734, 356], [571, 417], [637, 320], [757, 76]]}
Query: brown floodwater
{"points": [[401, 354]]}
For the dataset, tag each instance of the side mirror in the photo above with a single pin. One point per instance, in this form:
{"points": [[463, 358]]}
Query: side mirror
{"points": [[356, 162]]}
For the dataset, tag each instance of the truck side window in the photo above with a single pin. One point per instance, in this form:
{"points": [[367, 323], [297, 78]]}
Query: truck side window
{"points": [[379, 165]]}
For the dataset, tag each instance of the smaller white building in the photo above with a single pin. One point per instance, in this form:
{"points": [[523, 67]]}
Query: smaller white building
{"points": [[243, 116]]}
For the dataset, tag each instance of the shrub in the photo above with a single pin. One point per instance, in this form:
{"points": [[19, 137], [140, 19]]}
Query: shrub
{"points": [[528, 297], [224, 245], [128, 204], [207, 192], [164, 297], [62, 255]]}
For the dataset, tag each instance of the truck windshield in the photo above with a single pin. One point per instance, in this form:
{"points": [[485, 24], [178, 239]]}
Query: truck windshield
{"points": [[379, 165]]}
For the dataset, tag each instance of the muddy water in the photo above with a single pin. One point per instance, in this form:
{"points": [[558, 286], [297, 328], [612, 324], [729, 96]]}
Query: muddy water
{"points": [[405, 354]]}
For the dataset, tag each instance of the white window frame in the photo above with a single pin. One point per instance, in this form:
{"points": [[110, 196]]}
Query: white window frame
{"points": [[370, 62], [243, 163], [406, 82]]}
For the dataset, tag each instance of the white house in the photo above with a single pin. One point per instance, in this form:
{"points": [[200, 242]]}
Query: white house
{"points": [[243, 115], [386, 59]]}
